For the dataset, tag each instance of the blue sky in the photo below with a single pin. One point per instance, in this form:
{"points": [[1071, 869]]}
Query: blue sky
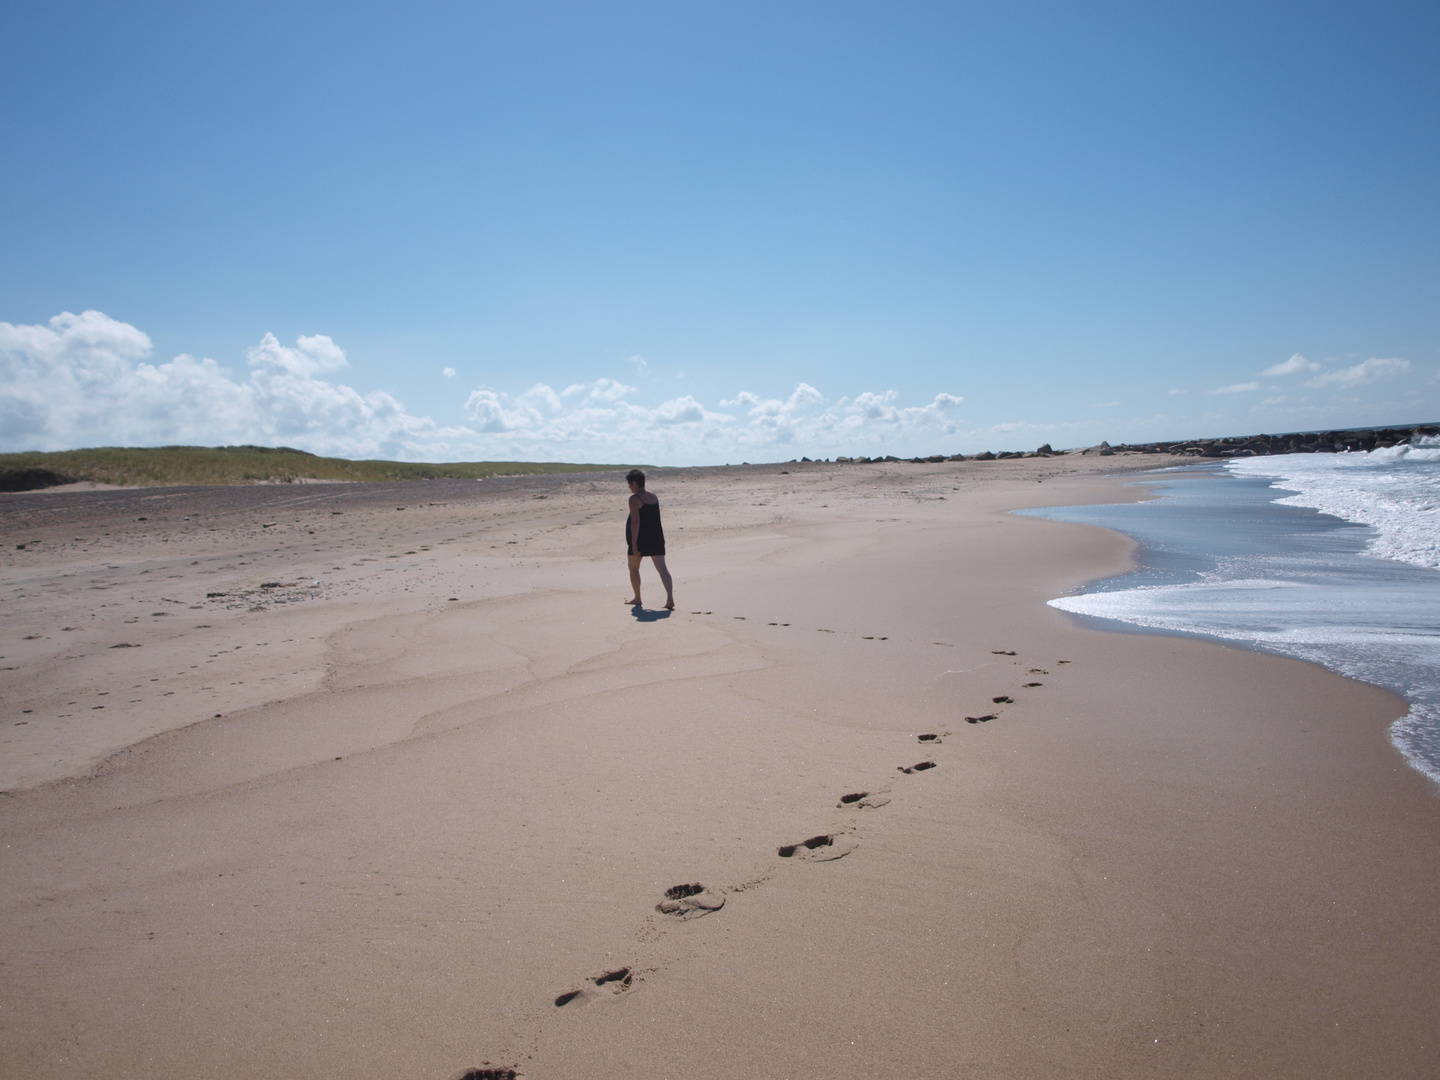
{"points": [[652, 232]]}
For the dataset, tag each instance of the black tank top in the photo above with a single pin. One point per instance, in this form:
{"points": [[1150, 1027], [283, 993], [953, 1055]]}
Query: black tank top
{"points": [[652, 536]]}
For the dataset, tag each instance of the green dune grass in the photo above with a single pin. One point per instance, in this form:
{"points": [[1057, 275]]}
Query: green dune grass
{"points": [[170, 465]]}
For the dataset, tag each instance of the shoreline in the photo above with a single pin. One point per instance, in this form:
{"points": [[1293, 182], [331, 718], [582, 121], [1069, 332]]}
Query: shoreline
{"points": [[1182, 562], [397, 853], [33, 471]]}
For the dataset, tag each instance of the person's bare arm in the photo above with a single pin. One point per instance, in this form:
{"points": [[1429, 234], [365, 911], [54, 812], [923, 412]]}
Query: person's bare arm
{"points": [[635, 503]]}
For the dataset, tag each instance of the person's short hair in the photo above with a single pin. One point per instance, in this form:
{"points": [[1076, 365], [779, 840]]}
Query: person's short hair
{"points": [[636, 477]]}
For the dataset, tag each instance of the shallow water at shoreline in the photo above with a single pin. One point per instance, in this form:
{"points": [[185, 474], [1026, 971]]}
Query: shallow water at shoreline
{"points": [[1226, 553]]}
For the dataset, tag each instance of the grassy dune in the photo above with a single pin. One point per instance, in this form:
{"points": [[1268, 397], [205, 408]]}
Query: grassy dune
{"points": [[168, 465]]}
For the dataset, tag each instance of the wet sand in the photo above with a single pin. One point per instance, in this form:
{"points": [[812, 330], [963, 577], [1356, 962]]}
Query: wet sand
{"points": [[297, 782]]}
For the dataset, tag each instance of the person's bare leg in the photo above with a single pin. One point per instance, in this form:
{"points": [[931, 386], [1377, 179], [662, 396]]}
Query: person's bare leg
{"points": [[634, 561], [659, 561]]}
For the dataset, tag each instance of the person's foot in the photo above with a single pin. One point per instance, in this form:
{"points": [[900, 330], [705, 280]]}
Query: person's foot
{"points": [[636, 603], [669, 605]]}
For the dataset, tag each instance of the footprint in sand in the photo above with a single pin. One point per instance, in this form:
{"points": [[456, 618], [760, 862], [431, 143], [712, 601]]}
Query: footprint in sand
{"points": [[1040, 671], [1002, 700], [824, 848], [1002, 652], [1029, 684], [690, 901], [980, 719], [488, 1073], [863, 800], [917, 767], [928, 738], [615, 982]]}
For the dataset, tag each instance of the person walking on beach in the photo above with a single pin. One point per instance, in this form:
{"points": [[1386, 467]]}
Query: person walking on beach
{"points": [[644, 536]]}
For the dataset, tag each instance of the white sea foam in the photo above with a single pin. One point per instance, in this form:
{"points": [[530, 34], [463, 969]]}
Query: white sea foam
{"points": [[1288, 615], [1379, 638], [1395, 490], [1417, 736], [1241, 561]]}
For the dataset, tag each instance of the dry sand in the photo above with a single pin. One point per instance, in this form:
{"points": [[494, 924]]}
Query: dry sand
{"points": [[369, 789]]}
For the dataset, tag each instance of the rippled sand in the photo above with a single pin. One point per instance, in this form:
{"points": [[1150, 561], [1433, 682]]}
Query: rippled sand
{"points": [[385, 780]]}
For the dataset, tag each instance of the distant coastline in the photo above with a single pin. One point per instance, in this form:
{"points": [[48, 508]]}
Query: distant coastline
{"points": [[1337, 441], [169, 466], [1306, 442]]}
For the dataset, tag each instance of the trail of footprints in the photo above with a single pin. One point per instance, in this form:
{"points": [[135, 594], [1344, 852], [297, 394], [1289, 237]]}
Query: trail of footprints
{"points": [[819, 630], [694, 900], [1006, 699]]}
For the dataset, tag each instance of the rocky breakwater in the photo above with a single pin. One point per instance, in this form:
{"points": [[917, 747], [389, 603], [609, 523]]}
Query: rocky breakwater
{"points": [[988, 455], [1306, 442]]}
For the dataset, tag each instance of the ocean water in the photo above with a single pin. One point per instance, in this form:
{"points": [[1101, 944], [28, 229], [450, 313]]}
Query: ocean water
{"points": [[1333, 558]]}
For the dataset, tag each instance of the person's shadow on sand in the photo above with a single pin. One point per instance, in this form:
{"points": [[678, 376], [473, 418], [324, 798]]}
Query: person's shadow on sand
{"points": [[641, 615]]}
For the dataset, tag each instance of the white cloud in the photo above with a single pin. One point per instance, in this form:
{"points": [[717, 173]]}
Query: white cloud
{"points": [[1174, 392], [1236, 388], [541, 395], [86, 380], [448, 372], [496, 411], [1372, 370], [1294, 366], [684, 410], [742, 400], [773, 409], [82, 380], [640, 365], [310, 357], [609, 390], [488, 409], [876, 407], [682, 429]]}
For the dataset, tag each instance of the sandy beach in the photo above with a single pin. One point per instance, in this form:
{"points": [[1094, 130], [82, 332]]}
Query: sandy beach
{"points": [[384, 780]]}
